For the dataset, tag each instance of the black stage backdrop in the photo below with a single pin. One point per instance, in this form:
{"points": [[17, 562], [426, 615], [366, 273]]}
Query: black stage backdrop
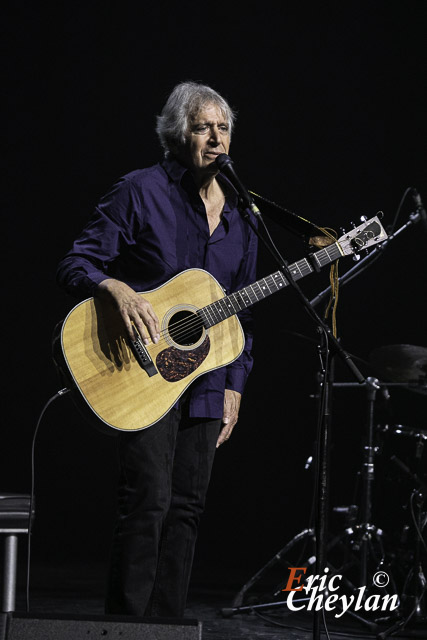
{"points": [[331, 124]]}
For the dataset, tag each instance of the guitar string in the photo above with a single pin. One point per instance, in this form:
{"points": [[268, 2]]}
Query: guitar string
{"points": [[195, 321], [191, 322], [182, 329], [180, 337], [185, 328], [269, 281]]}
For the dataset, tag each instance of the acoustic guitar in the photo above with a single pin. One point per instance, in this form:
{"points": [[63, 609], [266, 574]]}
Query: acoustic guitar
{"points": [[124, 385]]}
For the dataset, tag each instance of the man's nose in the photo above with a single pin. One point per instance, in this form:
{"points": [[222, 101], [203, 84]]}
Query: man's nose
{"points": [[214, 138]]}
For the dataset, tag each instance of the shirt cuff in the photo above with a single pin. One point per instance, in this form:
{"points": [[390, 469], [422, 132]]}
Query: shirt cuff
{"points": [[236, 378]]}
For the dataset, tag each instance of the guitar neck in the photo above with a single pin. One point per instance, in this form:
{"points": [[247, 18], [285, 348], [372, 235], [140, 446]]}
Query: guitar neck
{"points": [[224, 308]]}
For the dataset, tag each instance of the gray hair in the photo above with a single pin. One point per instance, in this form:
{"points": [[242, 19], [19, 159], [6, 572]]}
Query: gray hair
{"points": [[185, 101]]}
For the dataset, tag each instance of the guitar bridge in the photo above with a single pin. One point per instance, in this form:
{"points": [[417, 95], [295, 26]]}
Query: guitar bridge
{"points": [[142, 356]]}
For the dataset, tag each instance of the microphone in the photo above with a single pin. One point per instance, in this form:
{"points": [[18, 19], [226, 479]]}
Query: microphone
{"points": [[419, 207], [225, 165]]}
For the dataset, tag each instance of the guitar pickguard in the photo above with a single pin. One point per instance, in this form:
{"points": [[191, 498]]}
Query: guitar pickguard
{"points": [[175, 364]]}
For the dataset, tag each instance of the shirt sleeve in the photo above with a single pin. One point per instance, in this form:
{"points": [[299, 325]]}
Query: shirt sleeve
{"points": [[111, 227], [239, 370]]}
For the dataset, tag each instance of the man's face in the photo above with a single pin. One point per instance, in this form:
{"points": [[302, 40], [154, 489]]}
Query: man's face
{"points": [[208, 136]]}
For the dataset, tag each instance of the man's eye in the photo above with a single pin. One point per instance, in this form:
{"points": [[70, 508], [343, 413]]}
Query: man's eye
{"points": [[201, 128]]}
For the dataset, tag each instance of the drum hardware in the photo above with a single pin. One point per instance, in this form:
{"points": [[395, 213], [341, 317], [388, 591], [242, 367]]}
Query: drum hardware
{"points": [[361, 542], [402, 363], [416, 581], [364, 537], [413, 476], [413, 606], [360, 545], [405, 366]]}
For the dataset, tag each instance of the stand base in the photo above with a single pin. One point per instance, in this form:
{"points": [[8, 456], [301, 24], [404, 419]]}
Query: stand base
{"points": [[357, 551]]}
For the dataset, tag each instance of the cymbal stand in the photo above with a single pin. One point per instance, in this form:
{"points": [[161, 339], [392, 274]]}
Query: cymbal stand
{"points": [[365, 531], [368, 474], [416, 580]]}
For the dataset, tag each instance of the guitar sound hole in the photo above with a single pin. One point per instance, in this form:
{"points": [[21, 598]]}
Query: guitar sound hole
{"points": [[185, 328]]}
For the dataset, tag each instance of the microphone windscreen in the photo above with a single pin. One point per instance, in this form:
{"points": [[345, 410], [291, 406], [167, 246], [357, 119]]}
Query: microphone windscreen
{"points": [[223, 160]]}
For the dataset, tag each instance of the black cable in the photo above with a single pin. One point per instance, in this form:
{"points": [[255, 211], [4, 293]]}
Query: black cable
{"points": [[375, 255], [399, 208], [59, 394], [321, 413], [419, 532], [325, 625], [271, 239]]}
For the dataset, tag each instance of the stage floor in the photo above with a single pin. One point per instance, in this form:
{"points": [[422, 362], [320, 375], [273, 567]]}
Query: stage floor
{"points": [[77, 590]]}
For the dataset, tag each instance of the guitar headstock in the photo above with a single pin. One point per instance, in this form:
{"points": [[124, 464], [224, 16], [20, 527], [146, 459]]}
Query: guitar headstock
{"points": [[364, 236]]}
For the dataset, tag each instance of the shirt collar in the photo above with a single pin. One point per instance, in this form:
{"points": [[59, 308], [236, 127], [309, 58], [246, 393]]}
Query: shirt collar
{"points": [[173, 168], [176, 171]]}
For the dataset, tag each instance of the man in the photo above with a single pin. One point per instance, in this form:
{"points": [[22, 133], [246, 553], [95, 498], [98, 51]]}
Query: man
{"points": [[153, 224]]}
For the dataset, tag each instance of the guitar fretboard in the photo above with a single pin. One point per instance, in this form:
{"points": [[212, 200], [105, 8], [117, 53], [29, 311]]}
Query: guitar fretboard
{"points": [[229, 305]]}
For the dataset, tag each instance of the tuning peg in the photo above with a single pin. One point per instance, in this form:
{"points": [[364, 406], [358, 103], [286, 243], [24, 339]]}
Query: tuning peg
{"points": [[356, 257], [353, 224], [363, 218], [342, 231]]}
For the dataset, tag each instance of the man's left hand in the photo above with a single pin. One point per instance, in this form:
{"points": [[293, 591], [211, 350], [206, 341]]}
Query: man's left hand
{"points": [[231, 413]]}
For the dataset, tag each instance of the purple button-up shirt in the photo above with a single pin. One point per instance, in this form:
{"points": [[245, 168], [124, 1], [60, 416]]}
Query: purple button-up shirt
{"points": [[151, 226]]}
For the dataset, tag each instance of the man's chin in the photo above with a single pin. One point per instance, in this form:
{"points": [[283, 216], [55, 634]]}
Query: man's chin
{"points": [[210, 164]]}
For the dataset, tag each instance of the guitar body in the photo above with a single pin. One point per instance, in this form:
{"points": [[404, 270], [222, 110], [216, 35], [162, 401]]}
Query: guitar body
{"points": [[111, 382]]}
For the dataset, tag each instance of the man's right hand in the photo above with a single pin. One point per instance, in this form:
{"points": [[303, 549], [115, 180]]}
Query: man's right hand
{"points": [[135, 310]]}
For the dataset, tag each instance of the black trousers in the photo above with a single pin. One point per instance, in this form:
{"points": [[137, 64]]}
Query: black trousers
{"points": [[164, 477]]}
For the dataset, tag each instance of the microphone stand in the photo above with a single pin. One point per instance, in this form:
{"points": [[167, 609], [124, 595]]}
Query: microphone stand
{"points": [[330, 347]]}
